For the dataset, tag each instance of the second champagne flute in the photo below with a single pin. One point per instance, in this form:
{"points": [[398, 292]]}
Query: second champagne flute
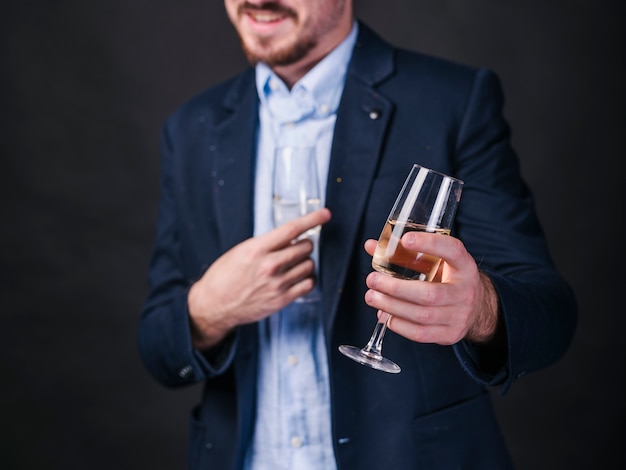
{"points": [[427, 203], [296, 193]]}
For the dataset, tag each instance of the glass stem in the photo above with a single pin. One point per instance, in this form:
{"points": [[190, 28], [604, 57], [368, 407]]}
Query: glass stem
{"points": [[374, 346]]}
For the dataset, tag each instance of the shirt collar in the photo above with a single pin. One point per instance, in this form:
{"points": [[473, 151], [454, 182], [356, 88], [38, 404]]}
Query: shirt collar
{"points": [[317, 94]]}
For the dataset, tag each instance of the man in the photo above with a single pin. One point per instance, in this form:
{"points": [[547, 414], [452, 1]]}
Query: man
{"points": [[221, 307]]}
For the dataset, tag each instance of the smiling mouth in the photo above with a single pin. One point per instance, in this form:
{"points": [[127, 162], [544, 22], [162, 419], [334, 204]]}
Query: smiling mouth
{"points": [[268, 13], [266, 17]]}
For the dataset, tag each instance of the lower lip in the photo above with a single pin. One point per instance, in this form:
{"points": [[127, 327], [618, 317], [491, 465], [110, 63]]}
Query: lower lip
{"points": [[265, 26]]}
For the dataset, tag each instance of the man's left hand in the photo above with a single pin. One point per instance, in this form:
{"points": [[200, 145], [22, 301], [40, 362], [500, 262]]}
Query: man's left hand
{"points": [[460, 303]]}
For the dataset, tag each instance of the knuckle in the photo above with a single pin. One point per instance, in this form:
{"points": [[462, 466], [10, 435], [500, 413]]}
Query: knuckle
{"points": [[459, 335], [426, 316], [388, 285], [457, 249], [430, 295], [293, 229], [248, 250], [268, 267]]}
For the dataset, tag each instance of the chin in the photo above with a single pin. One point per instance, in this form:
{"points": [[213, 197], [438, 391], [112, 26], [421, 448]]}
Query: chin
{"points": [[282, 56]]}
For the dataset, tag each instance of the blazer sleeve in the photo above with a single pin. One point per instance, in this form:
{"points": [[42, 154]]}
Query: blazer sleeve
{"points": [[498, 224], [164, 335]]}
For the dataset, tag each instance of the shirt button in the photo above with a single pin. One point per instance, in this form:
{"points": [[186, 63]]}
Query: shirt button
{"points": [[324, 108], [292, 360], [296, 441]]}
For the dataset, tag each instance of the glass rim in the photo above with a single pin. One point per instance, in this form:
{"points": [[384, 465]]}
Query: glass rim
{"points": [[457, 180]]}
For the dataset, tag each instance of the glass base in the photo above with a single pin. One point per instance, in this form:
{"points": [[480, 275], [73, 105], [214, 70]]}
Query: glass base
{"points": [[375, 361]]}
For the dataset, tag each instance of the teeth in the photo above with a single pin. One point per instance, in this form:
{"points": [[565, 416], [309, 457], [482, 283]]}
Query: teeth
{"points": [[265, 17]]}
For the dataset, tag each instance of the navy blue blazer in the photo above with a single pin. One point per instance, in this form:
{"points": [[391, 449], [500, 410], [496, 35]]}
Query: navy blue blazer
{"points": [[398, 108]]}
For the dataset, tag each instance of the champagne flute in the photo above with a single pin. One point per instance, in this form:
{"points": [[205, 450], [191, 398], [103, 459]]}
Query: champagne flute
{"points": [[296, 193], [426, 203]]}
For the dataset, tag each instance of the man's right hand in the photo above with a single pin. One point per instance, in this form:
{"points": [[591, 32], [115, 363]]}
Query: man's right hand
{"points": [[252, 280]]}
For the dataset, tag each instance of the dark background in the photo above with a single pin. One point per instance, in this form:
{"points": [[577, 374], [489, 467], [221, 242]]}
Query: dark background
{"points": [[84, 88]]}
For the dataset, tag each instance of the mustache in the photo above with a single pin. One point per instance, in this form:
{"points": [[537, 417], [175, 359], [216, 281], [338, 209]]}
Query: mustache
{"points": [[273, 7]]}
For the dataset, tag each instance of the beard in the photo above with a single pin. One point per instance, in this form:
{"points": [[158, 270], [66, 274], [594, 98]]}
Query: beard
{"points": [[287, 55], [263, 50]]}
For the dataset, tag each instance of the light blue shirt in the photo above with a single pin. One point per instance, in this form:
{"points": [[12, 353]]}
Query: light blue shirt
{"points": [[293, 423]]}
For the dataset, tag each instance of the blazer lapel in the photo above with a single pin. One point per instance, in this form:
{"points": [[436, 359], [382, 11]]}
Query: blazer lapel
{"points": [[234, 147], [362, 121]]}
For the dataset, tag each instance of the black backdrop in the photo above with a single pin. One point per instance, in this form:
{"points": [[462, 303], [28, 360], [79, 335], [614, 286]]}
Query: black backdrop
{"points": [[84, 88]]}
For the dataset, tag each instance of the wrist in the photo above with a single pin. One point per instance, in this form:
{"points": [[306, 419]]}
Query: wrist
{"points": [[206, 329], [488, 314]]}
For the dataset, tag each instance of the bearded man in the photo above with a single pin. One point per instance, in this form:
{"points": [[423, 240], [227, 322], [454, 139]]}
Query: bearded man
{"points": [[224, 280]]}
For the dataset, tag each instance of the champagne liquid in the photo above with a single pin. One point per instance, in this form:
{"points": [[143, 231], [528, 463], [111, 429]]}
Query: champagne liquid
{"points": [[284, 211], [392, 258]]}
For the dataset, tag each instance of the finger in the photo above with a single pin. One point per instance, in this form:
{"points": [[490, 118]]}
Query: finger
{"points": [[424, 326], [421, 293], [396, 306], [300, 288], [448, 248], [297, 272], [286, 233], [292, 254], [370, 246], [421, 333], [296, 281]]}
